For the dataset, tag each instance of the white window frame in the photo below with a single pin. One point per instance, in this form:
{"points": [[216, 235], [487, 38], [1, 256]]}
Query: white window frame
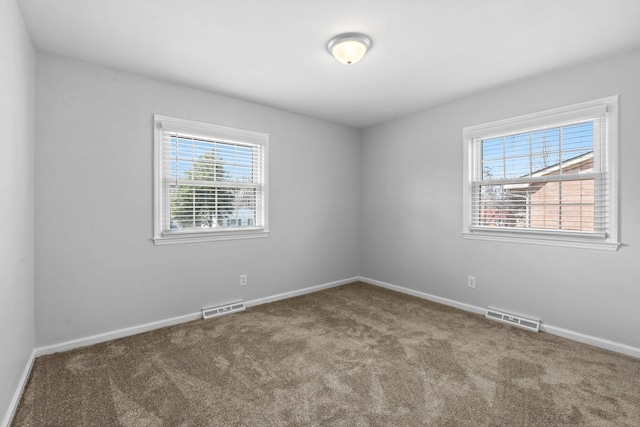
{"points": [[163, 236], [610, 240]]}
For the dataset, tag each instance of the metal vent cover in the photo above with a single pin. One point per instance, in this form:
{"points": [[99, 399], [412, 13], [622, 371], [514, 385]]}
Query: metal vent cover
{"points": [[512, 319], [222, 309]]}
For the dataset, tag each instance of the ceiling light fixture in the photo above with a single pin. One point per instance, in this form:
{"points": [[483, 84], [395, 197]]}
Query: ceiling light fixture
{"points": [[349, 48]]}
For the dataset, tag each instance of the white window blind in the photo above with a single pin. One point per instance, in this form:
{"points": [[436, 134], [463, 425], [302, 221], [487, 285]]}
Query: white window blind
{"points": [[210, 181], [548, 175]]}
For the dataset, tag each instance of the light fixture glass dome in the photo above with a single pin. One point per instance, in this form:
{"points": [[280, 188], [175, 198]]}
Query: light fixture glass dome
{"points": [[349, 48]]}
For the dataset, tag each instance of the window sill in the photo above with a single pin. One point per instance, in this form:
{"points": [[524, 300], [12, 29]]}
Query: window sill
{"points": [[542, 240], [177, 238]]}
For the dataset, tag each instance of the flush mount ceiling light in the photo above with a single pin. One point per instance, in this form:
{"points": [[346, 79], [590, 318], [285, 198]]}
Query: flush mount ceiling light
{"points": [[349, 48]]}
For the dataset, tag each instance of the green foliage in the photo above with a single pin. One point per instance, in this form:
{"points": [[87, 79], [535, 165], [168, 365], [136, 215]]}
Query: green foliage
{"points": [[202, 206]]}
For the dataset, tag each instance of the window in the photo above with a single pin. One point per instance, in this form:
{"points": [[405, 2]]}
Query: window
{"points": [[545, 178], [208, 179]]}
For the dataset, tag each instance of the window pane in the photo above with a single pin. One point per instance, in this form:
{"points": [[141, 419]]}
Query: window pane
{"points": [[545, 146], [577, 205], [567, 205], [516, 167], [502, 206], [493, 169], [200, 160], [516, 153], [492, 149], [206, 167], [545, 206], [516, 145], [545, 164], [577, 140], [200, 207]]}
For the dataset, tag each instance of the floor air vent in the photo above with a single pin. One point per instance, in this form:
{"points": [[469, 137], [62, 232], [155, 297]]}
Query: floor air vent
{"points": [[512, 319], [222, 309]]}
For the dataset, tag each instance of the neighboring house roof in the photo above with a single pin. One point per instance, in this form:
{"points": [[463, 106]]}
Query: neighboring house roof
{"points": [[569, 163], [553, 169]]}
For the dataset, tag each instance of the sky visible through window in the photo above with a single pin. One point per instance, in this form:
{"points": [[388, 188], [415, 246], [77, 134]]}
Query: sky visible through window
{"points": [[523, 154], [228, 162]]}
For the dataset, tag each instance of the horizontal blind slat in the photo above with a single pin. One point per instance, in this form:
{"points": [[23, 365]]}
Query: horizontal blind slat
{"points": [[212, 182], [548, 177]]}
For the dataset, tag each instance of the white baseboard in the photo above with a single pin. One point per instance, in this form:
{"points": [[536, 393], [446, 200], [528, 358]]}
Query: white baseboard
{"points": [[591, 340], [120, 333], [15, 400], [423, 295], [299, 292], [554, 330]]}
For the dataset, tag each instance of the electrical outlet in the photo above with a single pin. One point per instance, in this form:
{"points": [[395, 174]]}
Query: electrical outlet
{"points": [[243, 280], [471, 281]]}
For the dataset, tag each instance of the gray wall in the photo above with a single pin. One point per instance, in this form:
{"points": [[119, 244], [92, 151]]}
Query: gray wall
{"points": [[98, 271], [412, 211], [16, 195], [390, 203]]}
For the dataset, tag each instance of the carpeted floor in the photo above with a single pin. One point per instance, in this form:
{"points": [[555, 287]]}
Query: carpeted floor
{"points": [[355, 355]]}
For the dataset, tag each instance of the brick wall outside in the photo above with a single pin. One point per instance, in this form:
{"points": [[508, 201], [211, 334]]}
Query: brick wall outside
{"points": [[564, 206]]}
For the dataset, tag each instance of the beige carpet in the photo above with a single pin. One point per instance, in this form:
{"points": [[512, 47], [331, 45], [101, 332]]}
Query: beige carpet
{"points": [[356, 355]]}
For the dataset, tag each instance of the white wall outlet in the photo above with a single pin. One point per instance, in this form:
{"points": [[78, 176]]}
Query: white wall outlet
{"points": [[471, 281], [243, 280]]}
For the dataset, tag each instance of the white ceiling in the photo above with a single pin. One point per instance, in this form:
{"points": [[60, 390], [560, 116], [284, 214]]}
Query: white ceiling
{"points": [[273, 52]]}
